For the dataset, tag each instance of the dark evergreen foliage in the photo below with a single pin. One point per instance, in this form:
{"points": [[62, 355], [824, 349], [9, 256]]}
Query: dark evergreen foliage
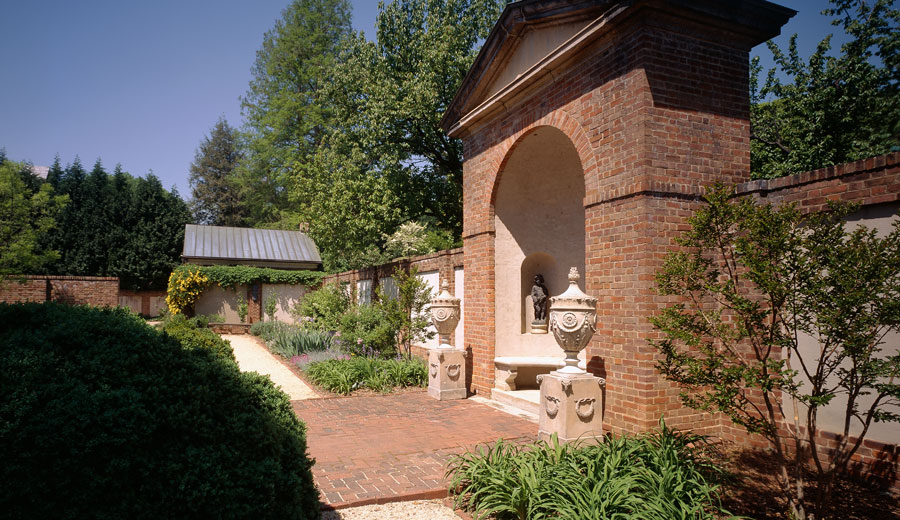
{"points": [[118, 225], [104, 417], [215, 199]]}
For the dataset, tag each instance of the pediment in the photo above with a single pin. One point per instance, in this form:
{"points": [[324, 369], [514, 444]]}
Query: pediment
{"points": [[530, 48], [527, 31], [533, 37]]}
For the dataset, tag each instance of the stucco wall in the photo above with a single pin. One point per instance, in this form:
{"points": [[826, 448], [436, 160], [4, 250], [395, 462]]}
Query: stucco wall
{"points": [[224, 302], [539, 225], [286, 296]]}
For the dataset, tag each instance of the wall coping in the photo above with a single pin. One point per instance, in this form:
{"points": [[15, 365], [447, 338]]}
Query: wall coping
{"points": [[396, 261], [15, 277], [879, 162]]}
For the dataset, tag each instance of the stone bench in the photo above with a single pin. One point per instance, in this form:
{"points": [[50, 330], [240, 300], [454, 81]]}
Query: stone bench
{"points": [[506, 368]]}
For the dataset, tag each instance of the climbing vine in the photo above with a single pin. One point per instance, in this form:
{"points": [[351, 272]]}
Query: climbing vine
{"points": [[187, 282], [185, 285]]}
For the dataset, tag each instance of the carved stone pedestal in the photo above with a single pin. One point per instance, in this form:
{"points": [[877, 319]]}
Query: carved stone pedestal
{"points": [[539, 327], [571, 407], [447, 373]]}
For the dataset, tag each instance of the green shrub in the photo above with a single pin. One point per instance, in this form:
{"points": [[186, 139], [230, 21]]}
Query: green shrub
{"points": [[343, 376], [322, 309], [271, 305], [193, 334], [104, 417], [659, 475], [367, 329]]}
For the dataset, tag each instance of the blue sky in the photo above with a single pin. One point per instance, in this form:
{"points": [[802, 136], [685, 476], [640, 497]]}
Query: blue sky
{"points": [[141, 83]]}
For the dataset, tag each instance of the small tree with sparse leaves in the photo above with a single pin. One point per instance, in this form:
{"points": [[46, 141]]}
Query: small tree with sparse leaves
{"points": [[407, 309], [753, 280]]}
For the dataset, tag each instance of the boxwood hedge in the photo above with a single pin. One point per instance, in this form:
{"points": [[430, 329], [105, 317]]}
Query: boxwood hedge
{"points": [[104, 417]]}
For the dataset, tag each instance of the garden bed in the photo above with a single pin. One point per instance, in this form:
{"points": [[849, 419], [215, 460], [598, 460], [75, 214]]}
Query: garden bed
{"points": [[754, 491], [329, 366]]}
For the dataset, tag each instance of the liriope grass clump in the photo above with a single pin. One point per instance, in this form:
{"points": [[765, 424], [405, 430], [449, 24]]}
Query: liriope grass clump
{"points": [[291, 340], [660, 475], [343, 376]]}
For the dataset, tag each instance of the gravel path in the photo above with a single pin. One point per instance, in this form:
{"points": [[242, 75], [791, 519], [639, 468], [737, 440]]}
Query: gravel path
{"points": [[252, 356], [415, 510]]}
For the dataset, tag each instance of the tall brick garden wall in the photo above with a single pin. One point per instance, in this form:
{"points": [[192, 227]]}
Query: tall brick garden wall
{"points": [[73, 290], [442, 261], [649, 137], [657, 109]]}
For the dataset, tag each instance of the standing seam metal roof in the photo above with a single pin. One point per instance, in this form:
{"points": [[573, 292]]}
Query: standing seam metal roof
{"points": [[232, 243]]}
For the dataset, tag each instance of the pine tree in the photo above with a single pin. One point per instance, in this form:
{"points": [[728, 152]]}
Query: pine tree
{"points": [[215, 198]]}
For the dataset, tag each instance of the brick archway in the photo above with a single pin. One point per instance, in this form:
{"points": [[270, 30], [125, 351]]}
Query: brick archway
{"points": [[559, 120]]}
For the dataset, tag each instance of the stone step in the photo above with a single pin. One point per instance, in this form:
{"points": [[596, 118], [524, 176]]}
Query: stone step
{"points": [[528, 401]]}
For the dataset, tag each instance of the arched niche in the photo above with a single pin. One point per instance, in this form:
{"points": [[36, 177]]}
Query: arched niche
{"points": [[539, 224], [535, 263]]}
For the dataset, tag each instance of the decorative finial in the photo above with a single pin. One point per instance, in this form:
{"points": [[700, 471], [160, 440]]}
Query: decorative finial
{"points": [[574, 276], [445, 285]]}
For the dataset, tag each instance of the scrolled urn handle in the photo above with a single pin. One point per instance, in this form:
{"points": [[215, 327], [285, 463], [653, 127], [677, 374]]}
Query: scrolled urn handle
{"points": [[551, 406], [453, 371], [585, 408]]}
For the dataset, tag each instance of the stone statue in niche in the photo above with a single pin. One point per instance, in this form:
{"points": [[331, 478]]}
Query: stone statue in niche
{"points": [[539, 295]]}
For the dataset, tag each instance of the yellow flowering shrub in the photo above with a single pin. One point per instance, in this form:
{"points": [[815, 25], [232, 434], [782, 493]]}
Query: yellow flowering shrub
{"points": [[185, 286]]}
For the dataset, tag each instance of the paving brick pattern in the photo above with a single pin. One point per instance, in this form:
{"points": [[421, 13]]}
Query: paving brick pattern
{"points": [[377, 449]]}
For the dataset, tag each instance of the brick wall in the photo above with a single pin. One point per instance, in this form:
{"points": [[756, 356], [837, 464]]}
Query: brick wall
{"points": [[442, 261], [657, 111], [871, 181], [73, 290], [650, 127]]}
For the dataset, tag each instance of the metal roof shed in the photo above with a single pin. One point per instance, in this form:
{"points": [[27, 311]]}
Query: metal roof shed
{"points": [[220, 245]]}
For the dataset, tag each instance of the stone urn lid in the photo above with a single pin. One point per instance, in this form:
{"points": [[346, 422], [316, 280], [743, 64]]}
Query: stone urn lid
{"points": [[444, 298], [573, 321], [445, 314], [573, 298]]}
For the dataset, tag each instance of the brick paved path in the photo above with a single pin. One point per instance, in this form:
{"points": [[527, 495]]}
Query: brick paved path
{"points": [[378, 449]]}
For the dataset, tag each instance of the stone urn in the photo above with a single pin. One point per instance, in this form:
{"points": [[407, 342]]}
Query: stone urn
{"points": [[573, 321], [446, 363], [445, 314], [572, 399]]}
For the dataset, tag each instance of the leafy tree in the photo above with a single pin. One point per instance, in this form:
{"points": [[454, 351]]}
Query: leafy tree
{"points": [[755, 279], [26, 173], [283, 108], [25, 215], [832, 109], [385, 153], [409, 239], [215, 198], [348, 203]]}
